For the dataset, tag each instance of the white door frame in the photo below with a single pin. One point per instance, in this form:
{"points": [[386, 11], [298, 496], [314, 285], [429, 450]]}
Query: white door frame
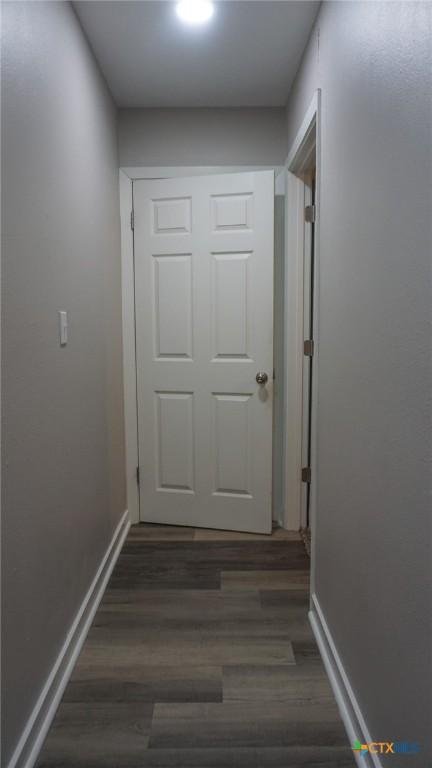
{"points": [[126, 177], [308, 139]]}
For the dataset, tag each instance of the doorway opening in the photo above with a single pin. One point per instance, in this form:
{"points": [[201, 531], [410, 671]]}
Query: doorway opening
{"points": [[302, 216], [211, 449], [308, 346]]}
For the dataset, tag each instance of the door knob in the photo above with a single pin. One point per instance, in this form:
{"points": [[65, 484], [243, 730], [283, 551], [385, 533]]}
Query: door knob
{"points": [[261, 377]]}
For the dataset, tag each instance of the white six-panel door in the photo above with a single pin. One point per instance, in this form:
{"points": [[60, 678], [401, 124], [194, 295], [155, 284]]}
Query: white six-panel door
{"points": [[204, 329]]}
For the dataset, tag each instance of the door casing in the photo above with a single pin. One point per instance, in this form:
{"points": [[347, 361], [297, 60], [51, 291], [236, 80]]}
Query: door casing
{"points": [[126, 177], [290, 514], [307, 141]]}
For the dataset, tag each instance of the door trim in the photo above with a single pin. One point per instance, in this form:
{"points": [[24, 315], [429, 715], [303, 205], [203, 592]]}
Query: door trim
{"points": [[129, 358], [126, 176], [308, 139]]}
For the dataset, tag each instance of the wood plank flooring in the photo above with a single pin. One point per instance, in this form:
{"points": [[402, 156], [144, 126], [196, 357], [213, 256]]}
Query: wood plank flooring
{"points": [[201, 656]]}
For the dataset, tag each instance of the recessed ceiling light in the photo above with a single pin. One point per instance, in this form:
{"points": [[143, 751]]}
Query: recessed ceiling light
{"points": [[195, 11]]}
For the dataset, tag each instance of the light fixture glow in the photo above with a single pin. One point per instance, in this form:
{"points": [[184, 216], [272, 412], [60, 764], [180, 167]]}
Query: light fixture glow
{"points": [[195, 11]]}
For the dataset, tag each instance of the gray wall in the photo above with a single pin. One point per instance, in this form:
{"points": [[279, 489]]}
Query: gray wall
{"points": [[373, 535], [170, 137], [63, 483]]}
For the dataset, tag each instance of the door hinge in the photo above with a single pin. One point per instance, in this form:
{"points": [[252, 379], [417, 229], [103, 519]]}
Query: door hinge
{"points": [[308, 347], [137, 475], [310, 214], [132, 220], [306, 475]]}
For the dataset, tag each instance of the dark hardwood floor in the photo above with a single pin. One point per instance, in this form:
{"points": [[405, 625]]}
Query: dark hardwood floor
{"points": [[201, 656]]}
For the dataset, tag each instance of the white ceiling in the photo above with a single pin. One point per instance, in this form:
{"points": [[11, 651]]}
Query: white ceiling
{"points": [[247, 55]]}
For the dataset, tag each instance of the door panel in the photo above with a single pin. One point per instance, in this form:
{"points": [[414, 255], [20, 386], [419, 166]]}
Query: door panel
{"points": [[232, 212], [232, 455], [204, 328], [172, 306], [230, 305], [171, 215], [174, 440]]}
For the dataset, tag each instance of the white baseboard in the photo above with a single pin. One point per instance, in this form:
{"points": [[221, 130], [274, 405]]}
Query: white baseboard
{"points": [[349, 709], [38, 724]]}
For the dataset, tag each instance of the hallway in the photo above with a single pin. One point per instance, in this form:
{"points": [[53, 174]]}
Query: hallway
{"points": [[201, 655], [216, 314]]}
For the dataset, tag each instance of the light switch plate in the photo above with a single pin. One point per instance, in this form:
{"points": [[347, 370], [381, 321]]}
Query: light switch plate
{"points": [[63, 328]]}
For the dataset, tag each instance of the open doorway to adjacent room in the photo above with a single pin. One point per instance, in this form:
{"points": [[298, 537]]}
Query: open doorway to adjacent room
{"points": [[302, 215]]}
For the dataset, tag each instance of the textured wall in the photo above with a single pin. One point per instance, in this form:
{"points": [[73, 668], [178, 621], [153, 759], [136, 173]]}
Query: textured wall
{"points": [[202, 137], [373, 535], [63, 468]]}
